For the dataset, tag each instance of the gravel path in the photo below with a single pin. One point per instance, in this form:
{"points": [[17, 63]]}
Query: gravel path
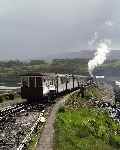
{"points": [[46, 140]]}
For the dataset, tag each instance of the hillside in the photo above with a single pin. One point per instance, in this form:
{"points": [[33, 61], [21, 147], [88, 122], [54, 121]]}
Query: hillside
{"points": [[83, 54], [109, 69], [10, 71]]}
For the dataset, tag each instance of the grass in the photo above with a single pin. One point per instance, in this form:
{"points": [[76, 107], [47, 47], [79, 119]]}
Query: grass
{"points": [[85, 128], [32, 144]]}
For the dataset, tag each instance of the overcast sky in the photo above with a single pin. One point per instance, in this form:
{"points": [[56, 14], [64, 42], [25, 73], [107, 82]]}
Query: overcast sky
{"points": [[35, 28]]}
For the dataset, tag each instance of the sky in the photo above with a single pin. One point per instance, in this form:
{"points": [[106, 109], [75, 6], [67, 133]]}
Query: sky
{"points": [[39, 28]]}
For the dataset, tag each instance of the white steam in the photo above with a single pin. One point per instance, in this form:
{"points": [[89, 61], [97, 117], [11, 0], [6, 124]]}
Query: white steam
{"points": [[99, 56], [93, 40], [109, 23]]}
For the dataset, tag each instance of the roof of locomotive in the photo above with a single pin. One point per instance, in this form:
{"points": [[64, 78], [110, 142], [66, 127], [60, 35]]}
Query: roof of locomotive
{"points": [[37, 74], [50, 75]]}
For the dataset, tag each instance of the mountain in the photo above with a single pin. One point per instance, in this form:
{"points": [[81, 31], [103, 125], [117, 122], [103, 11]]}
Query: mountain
{"points": [[85, 54], [71, 55], [114, 55]]}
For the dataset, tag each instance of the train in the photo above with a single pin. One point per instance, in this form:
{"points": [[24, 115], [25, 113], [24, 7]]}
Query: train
{"points": [[38, 87]]}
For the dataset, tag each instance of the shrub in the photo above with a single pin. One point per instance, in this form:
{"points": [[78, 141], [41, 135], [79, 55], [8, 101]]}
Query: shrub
{"points": [[115, 141], [61, 109]]}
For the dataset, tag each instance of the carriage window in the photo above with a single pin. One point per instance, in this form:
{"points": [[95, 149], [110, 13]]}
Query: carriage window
{"points": [[32, 82], [38, 82], [24, 81]]}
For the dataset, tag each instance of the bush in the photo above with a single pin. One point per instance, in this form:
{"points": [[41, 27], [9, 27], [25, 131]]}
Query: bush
{"points": [[61, 109], [115, 141]]}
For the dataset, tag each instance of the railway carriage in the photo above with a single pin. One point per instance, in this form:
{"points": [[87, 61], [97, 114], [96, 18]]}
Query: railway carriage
{"points": [[41, 87], [32, 86]]}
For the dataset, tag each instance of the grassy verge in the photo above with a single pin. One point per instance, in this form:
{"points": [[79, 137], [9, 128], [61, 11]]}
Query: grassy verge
{"points": [[33, 142], [81, 126]]}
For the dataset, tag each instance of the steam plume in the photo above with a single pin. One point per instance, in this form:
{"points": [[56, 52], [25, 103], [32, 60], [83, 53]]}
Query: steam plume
{"points": [[93, 40], [99, 56]]}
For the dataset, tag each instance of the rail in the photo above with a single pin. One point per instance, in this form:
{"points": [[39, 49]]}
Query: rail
{"points": [[28, 136]]}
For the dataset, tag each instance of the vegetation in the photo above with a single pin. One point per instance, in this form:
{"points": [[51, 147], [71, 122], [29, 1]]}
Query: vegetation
{"points": [[10, 70], [86, 129], [33, 142], [31, 145], [17, 67], [57, 65], [81, 126], [113, 64]]}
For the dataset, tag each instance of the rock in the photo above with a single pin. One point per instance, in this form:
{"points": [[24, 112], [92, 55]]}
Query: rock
{"points": [[42, 119]]}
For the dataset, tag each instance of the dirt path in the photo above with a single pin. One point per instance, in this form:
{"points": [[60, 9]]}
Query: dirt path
{"points": [[46, 140]]}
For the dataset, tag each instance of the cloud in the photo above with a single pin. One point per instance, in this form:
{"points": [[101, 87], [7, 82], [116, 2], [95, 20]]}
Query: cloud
{"points": [[37, 28], [109, 23]]}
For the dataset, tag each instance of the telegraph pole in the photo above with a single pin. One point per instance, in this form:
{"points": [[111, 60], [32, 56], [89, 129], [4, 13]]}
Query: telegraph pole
{"points": [[73, 81]]}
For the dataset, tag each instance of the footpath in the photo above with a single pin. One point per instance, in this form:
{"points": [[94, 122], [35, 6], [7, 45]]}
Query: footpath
{"points": [[46, 139]]}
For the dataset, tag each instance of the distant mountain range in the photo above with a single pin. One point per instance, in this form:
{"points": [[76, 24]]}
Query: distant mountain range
{"points": [[85, 54]]}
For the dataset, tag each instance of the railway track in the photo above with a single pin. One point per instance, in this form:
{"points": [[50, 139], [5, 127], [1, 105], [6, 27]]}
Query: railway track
{"points": [[11, 110], [16, 123]]}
